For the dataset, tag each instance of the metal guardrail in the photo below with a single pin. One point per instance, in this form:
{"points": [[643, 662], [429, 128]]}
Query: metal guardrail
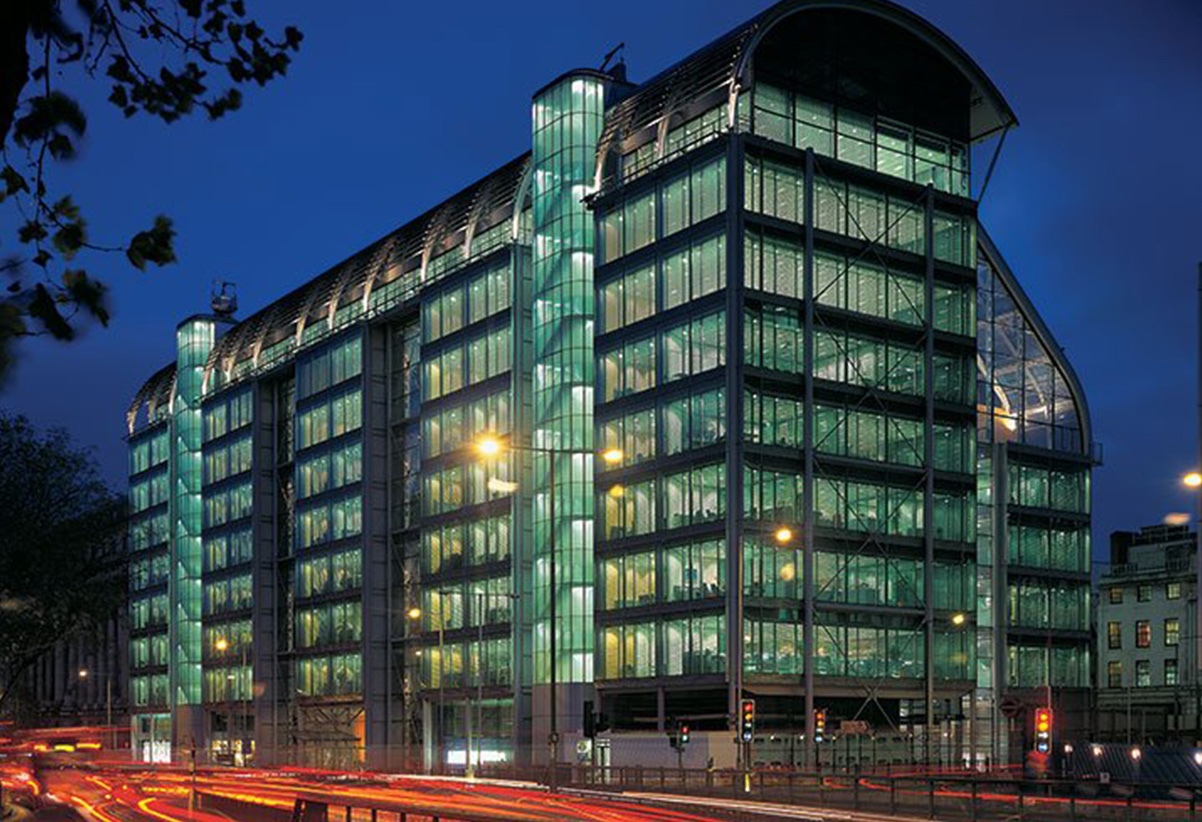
{"points": [[944, 796]]}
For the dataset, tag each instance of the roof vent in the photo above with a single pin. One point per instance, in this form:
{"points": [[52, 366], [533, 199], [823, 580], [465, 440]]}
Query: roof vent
{"points": [[224, 298]]}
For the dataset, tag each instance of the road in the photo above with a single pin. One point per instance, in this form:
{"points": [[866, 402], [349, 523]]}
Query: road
{"points": [[128, 795]]}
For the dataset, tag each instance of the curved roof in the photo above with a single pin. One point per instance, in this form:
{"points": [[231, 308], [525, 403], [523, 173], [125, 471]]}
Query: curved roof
{"points": [[724, 67], [1043, 335], [481, 205], [155, 392]]}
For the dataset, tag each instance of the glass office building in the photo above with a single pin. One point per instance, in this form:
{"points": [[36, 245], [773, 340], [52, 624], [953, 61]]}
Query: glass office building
{"points": [[849, 465]]}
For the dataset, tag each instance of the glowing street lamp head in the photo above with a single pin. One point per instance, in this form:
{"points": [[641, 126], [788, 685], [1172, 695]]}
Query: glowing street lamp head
{"points": [[1136, 753], [959, 619], [1097, 750], [1192, 480], [489, 446], [784, 534], [414, 613], [612, 455], [222, 644], [83, 673]]}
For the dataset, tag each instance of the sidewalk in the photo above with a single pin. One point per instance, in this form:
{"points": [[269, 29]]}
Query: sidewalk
{"points": [[744, 809]]}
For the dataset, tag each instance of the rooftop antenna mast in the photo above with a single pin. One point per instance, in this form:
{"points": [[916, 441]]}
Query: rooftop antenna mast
{"points": [[224, 298], [620, 48]]}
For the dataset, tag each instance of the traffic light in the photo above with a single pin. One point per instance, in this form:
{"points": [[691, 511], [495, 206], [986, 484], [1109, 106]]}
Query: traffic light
{"points": [[673, 736], [684, 734], [1043, 730], [820, 724], [595, 722], [747, 720], [590, 720]]}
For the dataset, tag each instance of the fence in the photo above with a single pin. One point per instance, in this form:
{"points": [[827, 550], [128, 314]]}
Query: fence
{"points": [[943, 796]]}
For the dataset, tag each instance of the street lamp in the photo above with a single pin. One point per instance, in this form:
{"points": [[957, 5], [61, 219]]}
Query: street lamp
{"points": [[959, 619], [108, 701], [1193, 481], [490, 446], [784, 535]]}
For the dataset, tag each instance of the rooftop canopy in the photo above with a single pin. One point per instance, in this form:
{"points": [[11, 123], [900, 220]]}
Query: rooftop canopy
{"points": [[870, 54]]}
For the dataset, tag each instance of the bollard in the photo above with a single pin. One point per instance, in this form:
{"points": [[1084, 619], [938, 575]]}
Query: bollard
{"points": [[972, 808]]}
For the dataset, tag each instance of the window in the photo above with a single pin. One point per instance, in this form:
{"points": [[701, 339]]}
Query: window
{"points": [[855, 285], [695, 570], [330, 417], [1114, 635], [633, 435], [774, 264], [694, 347], [627, 370], [773, 647], [874, 363], [1172, 590], [695, 271], [443, 314], [695, 495], [776, 496], [775, 189], [333, 365], [627, 299], [325, 521], [695, 645], [1143, 634], [773, 420], [1114, 674], [774, 339], [694, 421], [1143, 673], [626, 651], [1116, 596], [221, 416], [489, 292], [627, 510], [868, 580], [1170, 672], [1143, 593], [770, 571], [1172, 631], [628, 581], [855, 506]]}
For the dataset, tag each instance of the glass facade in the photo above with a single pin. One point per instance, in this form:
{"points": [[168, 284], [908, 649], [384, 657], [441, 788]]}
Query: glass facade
{"points": [[568, 118], [854, 466]]}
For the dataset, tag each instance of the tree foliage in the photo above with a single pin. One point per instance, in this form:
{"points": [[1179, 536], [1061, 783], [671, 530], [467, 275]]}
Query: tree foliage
{"points": [[162, 58], [62, 567]]}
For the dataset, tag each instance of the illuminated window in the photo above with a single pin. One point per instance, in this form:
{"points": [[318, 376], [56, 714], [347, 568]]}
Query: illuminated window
{"points": [[1143, 634], [1114, 635]]}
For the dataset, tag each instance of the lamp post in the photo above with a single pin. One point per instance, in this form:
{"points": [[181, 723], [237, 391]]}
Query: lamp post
{"points": [[108, 702], [222, 644], [489, 447]]}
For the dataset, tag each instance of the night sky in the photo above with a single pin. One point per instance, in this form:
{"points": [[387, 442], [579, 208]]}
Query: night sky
{"points": [[390, 107]]}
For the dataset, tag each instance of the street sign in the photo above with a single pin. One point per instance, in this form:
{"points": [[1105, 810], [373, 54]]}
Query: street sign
{"points": [[1010, 707]]}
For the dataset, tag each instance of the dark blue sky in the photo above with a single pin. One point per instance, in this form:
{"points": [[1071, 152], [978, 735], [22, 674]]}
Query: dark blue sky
{"points": [[392, 106]]}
